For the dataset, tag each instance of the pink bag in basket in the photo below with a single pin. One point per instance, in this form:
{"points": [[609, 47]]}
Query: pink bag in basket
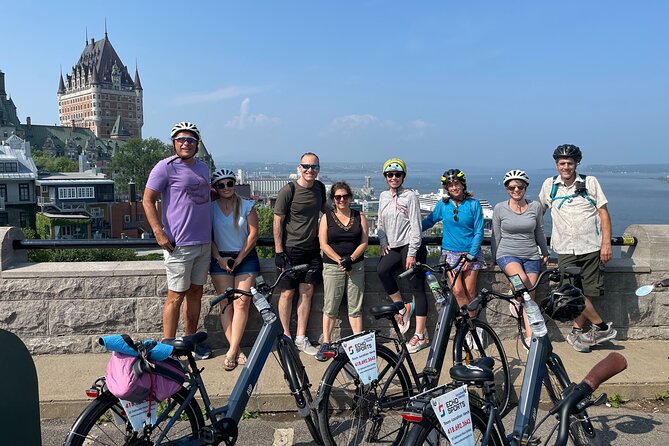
{"points": [[128, 378]]}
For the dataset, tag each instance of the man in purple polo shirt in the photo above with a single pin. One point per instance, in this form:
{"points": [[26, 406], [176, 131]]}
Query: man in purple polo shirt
{"points": [[184, 231]]}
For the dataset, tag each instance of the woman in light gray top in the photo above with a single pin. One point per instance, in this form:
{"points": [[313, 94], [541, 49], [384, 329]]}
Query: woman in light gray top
{"points": [[519, 243]]}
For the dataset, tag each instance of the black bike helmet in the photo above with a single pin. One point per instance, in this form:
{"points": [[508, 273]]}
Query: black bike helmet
{"points": [[564, 304], [454, 175], [567, 151]]}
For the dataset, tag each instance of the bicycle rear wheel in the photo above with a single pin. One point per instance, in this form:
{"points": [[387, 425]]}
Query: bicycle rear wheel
{"points": [[352, 413], [486, 344], [298, 381], [104, 422], [581, 430], [429, 432]]}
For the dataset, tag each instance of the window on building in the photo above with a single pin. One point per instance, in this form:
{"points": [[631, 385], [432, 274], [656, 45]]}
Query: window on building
{"points": [[24, 192], [45, 190], [97, 212], [3, 191], [23, 219], [4, 219], [86, 192], [66, 193], [126, 219]]}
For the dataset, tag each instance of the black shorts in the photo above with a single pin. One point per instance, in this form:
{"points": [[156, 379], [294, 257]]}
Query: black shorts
{"points": [[298, 256]]}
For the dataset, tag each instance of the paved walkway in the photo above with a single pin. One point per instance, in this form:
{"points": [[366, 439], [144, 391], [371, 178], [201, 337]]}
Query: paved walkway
{"points": [[63, 379]]}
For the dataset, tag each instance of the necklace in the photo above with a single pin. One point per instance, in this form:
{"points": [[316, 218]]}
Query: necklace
{"points": [[520, 208]]}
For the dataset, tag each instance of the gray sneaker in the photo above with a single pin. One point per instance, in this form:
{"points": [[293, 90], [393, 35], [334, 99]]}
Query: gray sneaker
{"points": [[580, 345], [573, 335], [306, 347], [596, 336]]}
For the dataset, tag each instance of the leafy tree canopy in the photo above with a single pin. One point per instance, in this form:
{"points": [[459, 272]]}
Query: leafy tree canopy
{"points": [[134, 160], [48, 163]]}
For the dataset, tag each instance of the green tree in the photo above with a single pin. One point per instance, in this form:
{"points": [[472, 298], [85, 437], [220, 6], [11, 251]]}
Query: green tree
{"points": [[265, 220], [134, 160], [48, 163]]}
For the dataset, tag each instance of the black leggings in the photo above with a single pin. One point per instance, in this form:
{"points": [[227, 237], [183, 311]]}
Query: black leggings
{"points": [[397, 257]]}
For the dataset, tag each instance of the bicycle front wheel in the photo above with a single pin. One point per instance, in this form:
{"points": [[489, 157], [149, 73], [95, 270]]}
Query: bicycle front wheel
{"points": [[429, 432], [104, 422], [353, 413], [581, 430], [478, 341], [297, 378]]}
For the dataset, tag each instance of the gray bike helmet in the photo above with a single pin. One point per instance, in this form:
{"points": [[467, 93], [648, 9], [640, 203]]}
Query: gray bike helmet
{"points": [[222, 174], [516, 175], [564, 304], [567, 151]]}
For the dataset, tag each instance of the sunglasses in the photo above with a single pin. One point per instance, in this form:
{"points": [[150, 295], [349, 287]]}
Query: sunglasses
{"points": [[221, 185], [393, 174], [342, 197], [185, 139], [310, 166], [455, 214], [519, 187]]}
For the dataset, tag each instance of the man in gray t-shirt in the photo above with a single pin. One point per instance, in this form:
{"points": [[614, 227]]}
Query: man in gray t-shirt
{"points": [[296, 242]]}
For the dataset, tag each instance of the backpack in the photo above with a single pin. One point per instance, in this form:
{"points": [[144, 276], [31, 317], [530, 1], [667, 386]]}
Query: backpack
{"points": [[291, 185], [580, 191], [136, 379]]}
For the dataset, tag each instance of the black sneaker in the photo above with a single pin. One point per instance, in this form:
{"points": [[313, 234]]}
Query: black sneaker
{"points": [[201, 352], [320, 355]]}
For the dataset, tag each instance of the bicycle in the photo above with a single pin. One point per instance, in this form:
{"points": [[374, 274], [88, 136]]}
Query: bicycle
{"points": [[350, 412], [180, 419], [543, 367]]}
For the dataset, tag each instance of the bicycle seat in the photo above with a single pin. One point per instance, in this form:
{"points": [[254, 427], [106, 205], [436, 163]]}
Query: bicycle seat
{"points": [[184, 344], [478, 372], [387, 311]]}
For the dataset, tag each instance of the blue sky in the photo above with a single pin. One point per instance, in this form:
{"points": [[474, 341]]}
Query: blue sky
{"points": [[458, 83]]}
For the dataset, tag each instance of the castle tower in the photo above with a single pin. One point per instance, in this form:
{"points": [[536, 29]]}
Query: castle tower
{"points": [[99, 93]]}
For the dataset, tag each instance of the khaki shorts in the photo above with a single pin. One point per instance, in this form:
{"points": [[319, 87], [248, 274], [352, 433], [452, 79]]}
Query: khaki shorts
{"points": [[592, 271], [335, 282], [187, 265]]}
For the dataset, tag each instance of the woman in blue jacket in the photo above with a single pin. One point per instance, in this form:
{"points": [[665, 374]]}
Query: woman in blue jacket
{"points": [[462, 226]]}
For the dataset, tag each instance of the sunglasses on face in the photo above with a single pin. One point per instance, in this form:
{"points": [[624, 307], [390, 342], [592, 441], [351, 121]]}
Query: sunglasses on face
{"points": [[310, 166], [393, 174], [455, 214], [185, 139], [517, 186], [342, 197], [221, 185]]}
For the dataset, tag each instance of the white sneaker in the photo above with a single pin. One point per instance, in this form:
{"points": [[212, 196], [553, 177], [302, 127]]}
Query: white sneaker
{"points": [[306, 347], [405, 319]]}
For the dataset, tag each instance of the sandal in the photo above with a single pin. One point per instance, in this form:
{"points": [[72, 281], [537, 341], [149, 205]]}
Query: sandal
{"points": [[229, 364], [241, 358]]}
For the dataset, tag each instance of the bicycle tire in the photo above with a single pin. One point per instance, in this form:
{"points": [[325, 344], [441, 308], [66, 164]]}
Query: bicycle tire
{"points": [[489, 346], [352, 413], [298, 381], [429, 432], [581, 430], [103, 421]]}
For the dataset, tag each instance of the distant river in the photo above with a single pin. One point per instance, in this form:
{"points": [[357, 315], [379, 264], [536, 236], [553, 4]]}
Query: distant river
{"points": [[633, 198]]}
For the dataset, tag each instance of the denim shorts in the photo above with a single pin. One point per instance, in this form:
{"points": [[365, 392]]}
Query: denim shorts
{"points": [[250, 264], [529, 266]]}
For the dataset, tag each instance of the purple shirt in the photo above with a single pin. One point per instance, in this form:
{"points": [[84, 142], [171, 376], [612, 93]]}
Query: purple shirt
{"points": [[185, 200]]}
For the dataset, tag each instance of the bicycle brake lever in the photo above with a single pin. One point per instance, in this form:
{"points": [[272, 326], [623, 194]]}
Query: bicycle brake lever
{"points": [[601, 399]]}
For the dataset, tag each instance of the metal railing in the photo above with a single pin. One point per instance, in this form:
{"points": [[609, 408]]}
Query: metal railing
{"points": [[262, 241]]}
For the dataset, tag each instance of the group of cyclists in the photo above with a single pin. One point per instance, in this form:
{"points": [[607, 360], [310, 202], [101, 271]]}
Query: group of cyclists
{"points": [[334, 244]]}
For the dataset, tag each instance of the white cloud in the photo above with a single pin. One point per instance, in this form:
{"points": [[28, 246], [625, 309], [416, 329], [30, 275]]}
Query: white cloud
{"points": [[247, 120], [419, 124], [360, 122], [222, 94], [353, 122]]}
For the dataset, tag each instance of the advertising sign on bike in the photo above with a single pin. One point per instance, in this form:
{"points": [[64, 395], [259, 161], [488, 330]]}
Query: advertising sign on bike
{"points": [[452, 410], [138, 413], [362, 353]]}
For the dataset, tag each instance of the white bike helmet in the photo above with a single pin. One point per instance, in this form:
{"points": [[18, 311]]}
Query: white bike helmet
{"points": [[516, 175], [222, 174], [185, 126]]}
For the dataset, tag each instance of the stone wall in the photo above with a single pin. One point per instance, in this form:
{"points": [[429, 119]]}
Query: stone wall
{"points": [[65, 307]]}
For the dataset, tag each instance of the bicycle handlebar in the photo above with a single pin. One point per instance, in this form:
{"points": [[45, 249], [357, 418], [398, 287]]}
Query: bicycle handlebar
{"points": [[555, 274], [233, 293], [445, 266], [577, 397]]}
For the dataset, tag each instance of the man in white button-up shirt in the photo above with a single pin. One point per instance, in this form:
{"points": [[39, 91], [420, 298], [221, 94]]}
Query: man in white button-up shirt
{"points": [[581, 237]]}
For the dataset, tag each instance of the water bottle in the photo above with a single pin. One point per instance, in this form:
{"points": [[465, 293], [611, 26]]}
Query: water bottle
{"points": [[534, 316], [433, 283], [263, 306]]}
